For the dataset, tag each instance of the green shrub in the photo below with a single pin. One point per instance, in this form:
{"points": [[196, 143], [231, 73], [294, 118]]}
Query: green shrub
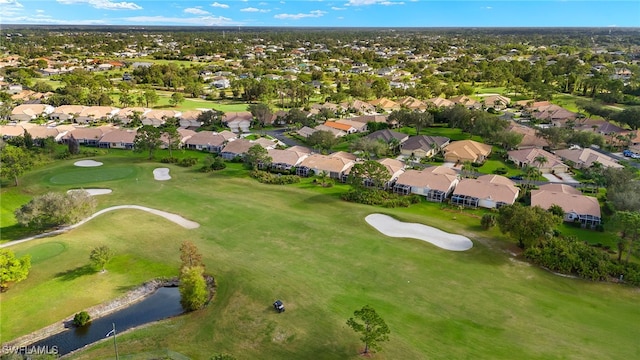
{"points": [[488, 221], [500, 171], [274, 179], [81, 319], [187, 162], [169, 160]]}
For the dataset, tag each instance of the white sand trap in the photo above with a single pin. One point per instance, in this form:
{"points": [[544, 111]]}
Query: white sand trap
{"points": [[394, 228], [92, 192], [161, 174], [87, 163]]}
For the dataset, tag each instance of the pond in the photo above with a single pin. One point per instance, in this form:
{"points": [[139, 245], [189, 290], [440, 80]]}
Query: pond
{"points": [[162, 304]]}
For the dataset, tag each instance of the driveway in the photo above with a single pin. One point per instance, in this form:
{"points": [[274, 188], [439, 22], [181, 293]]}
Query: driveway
{"points": [[279, 134], [560, 178]]}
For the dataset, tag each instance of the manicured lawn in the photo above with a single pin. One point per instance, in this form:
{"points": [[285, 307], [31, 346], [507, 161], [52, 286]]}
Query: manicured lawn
{"points": [[305, 246]]}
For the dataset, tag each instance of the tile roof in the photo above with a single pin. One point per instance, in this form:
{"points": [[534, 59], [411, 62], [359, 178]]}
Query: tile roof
{"points": [[489, 187], [571, 201], [436, 177]]}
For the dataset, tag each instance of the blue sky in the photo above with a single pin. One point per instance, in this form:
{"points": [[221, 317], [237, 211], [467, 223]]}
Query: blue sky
{"points": [[325, 13]]}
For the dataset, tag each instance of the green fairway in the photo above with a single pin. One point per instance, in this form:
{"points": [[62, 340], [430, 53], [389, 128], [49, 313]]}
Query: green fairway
{"points": [[92, 175], [315, 252]]}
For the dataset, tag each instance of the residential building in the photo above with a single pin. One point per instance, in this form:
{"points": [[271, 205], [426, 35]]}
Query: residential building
{"points": [[435, 183], [585, 158], [533, 157], [467, 150], [421, 146], [576, 207], [487, 191]]}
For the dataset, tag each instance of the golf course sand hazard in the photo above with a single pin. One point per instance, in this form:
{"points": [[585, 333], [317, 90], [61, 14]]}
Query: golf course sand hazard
{"points": [[394, 228], [87, 163], [161, 174], [92, 192]]}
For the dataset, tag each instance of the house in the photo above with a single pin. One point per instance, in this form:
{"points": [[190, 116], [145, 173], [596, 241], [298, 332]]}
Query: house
{"points": [[39, 133], [349, 129], [394, 167], [440, 102], [412, 103], [158, 117], [385, 104], [89, 136], [466, 101], [531, 157], [388, 136], [497, 102], [305, 131], [27, 112], [220, 82], [284, 160], [91, 114], [118, 139], [190, 119], [238, 121], [585, 158], [357, 125], [422, 146], [236, 148], [436, 183], [370, 118], [358, 107], [551, 113], [265, 143], [334, 166], [206, 141], [487, 191], [467, 150], [336, 132], [66, 112], [530, 139], [576, 207], [127, 115], [11, 131], [300, 149]]}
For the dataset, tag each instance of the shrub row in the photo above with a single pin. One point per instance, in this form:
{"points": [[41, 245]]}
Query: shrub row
{"points": [[379, 197], [571, 256], [276, 179], [186, 162]]}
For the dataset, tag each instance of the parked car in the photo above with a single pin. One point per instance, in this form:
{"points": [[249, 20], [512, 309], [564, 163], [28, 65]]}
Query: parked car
{"points": [[628, 153]]}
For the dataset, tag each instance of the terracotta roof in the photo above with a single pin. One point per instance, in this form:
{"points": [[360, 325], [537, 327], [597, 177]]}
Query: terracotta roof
{"points": [[436, 177], [385, 104], [441, 102], [43, 132], [584, 158], [300, 149], [205, 138], [339, 126], [327, 163], [119, 136], [571, 201], [529, 138], [355, 124], [344, 155], [238, 146], [528, 156], [412, 103], [467, 150], [11, 130], [286, 156], [489, 187]]}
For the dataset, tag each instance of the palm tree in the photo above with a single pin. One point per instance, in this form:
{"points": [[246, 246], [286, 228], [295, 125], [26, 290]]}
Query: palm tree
{"points": [[540, 160]]}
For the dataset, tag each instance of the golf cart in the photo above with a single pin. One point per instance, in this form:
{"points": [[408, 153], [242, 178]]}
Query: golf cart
{"points": [[279, 306]]}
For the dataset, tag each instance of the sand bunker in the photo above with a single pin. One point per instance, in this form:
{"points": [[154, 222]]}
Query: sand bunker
{"points": [[394, 228], [161, 174], [92, 192], [87, 163]]}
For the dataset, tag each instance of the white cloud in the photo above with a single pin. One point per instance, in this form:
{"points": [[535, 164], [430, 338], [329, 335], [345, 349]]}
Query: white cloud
{"points": [[372, 2], [263, 4], [39, 11], [48, 20], [311, 14], [337, 8], [10, 8], [219, 5], [196, 11], [252, 9], [201, 21], [104, 4], [14, 3]]}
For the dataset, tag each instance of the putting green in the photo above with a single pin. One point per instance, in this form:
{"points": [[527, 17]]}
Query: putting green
{"points": [[43, 251], [91, 175]]}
